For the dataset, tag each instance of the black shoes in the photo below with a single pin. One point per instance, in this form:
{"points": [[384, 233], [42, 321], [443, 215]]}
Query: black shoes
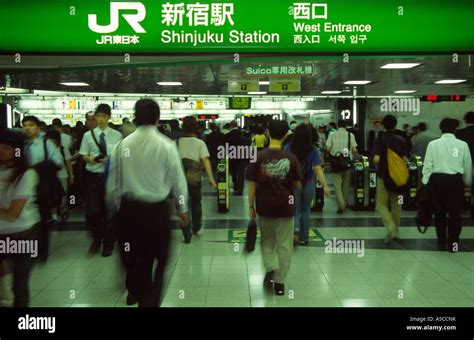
{"points": [[339, 211], [279, 289], [303, 243], [131, 300], [106, 252], [187, 235], [453, 247], [268, 280]]}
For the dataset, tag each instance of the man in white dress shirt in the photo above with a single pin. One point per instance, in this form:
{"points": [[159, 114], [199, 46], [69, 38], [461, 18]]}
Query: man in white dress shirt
{"points": [[145, 168], [447, 169], [338, 143], [97, 144]]}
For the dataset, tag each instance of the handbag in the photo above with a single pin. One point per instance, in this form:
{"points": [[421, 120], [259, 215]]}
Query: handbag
{"points": [[425, 209], [341, 162], [251, 237], [192, 170], [102, 155]]}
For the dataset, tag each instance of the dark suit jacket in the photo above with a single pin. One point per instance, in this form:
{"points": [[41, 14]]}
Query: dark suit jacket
{"points": [[370, 142], [467, 135], [213, 141]]}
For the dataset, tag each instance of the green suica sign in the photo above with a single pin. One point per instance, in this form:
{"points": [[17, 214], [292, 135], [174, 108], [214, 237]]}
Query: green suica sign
{"points": [[150, 26]]}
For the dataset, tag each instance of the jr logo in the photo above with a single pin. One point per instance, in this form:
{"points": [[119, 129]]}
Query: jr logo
{"points": [[115, 8]]}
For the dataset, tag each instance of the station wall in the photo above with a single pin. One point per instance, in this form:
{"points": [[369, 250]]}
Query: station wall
{"points": [[430, 113]]}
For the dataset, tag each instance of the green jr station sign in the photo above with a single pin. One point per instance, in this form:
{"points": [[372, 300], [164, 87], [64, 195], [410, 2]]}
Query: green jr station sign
{"points": [[263, 26]]}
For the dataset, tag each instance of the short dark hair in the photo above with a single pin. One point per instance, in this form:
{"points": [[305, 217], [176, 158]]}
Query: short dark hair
{"points": [[332, 124], [233, 123], [342, 123], [57, 122], [147, 112], [32, 119], [104, 108], [389, 122], [53, 135], [190, 125], [278, 129], [422, 126], [448, 125], [469, 117], [174, 124]]}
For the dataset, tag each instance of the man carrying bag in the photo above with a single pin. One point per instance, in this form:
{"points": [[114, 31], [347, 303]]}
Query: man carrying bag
{"points": [[342, 146], [390, 156]]}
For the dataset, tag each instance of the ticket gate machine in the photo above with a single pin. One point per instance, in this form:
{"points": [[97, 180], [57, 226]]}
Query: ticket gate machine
{"points": [[365, 184], [415, 166], [223, 186], [318, 202]]}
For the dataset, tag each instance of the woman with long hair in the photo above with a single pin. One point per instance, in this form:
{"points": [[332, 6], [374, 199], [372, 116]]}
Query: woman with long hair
{"points": [[19, 213], [308, 156]]}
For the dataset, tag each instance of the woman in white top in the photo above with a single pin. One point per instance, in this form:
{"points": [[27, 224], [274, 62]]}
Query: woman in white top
{"points": [[65, 174], [19, 212], [194, 154]]}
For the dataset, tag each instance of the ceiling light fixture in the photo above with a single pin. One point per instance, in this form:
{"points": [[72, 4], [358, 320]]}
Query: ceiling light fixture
{"points": [[331, 92], [169, 83], [397, 66], [357, 82], [405, 91], [74, 84], [450, 81], [256, 92]]}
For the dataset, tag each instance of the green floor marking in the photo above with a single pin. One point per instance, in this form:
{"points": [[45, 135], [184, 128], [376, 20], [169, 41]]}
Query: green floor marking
{"points": [[238, 235]]}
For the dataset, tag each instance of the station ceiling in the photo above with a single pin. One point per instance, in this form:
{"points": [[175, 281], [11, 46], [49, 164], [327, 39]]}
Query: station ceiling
{"points": [[209, 74]]}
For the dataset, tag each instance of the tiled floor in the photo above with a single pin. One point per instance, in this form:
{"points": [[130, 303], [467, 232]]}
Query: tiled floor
{"points": [[212, 272], [216, 274]]}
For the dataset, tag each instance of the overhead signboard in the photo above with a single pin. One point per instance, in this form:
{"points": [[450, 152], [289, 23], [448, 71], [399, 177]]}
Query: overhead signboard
{"points": [[437, 99], [285, 85], [280, 70], [150, 26], [203, 117], [240, 103], [199, 104], [243, 86]]}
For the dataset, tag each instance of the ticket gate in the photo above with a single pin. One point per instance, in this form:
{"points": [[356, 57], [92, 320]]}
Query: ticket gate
{"points": [[223, 186], [415, 166], [365, 184], [318, 201]]}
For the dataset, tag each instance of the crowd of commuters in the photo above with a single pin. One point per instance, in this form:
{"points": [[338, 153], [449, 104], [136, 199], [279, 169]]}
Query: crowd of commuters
{"points": [[42, 166]]}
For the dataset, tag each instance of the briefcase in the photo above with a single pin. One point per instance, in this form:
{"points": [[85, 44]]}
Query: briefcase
{"points": [[251, 237]]}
